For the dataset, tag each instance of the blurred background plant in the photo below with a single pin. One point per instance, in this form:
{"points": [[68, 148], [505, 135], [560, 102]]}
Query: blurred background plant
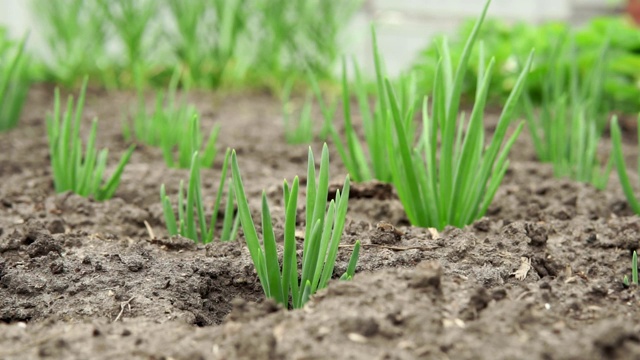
{"points": [[568, 125], [219, 43], [14, 80], [75, 36], [130, 24], [510, 43]]}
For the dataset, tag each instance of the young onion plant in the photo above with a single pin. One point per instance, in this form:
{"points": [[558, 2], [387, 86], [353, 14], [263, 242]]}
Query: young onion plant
{"points": [[74, 169], [174, 127], [14, 84], [72, 30], [208, 58], [191, 222], [258, 41], [130, 20], [298, 125], [218, 42], [450, 177], [568, 127], [261, 42], [618, 159], [328, 107], [634, 271], [296, 36], [367, 159], [286, 283]]}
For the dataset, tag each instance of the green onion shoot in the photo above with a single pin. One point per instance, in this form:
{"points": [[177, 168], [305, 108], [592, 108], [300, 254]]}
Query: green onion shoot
{"points": [[285, 282], [77, 168], [191, 221]]}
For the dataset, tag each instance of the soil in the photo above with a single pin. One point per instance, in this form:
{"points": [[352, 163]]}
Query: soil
{"points": [[81, 279]]}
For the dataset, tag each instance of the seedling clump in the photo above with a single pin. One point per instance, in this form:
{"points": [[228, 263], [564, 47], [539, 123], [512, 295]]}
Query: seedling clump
{"points": [[449, 177], [76, 168], [174, 127], [14, 83], [568, 126], [286, 283], [191, 222], [634, 271]]}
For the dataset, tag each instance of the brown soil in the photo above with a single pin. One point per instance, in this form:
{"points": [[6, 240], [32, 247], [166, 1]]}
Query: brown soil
{"points": [[81, 279]]}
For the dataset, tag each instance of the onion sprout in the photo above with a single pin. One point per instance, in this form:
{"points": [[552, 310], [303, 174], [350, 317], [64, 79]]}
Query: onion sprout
{"points": [[172, 126], [568, 127], [74, 169], [634, 271], [449, 177], [298, 131], [191, 222], [13, 82], [287, 284], [618, 159], [367, 158]]}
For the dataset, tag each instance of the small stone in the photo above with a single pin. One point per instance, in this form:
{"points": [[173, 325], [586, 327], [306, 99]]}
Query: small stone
{"points": [[386, 234], [366, 327], [56, 226], [427, 275], [57, 267], [357, 338], [135, 266]]}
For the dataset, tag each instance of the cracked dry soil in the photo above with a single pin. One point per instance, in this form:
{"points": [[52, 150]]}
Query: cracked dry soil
{"points": [[539, 277]]}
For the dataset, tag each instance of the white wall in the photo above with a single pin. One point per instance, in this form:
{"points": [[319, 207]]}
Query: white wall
{"points": [[15, 15]]}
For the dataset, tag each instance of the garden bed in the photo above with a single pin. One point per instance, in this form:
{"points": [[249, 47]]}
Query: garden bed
{"points": [[83, 279]]}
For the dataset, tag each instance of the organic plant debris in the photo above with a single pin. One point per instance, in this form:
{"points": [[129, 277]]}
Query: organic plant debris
{"points": [[82, 279]]}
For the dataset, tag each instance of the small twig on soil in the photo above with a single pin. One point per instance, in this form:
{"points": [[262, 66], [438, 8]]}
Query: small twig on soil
{"points": [[394, 248], [122, 306], [152, 236], [523, 270], [523, 295]]}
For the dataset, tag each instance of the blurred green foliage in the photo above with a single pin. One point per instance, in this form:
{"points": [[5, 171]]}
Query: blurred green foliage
{"points": [[14, 79], [510, 44], [217, 43]]}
